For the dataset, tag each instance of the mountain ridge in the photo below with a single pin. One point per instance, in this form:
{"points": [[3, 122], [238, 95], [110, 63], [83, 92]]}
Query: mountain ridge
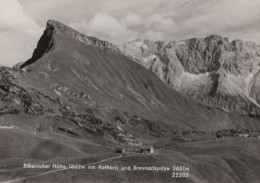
{"points": [[195, 67], [200, 68], [101, 78]]}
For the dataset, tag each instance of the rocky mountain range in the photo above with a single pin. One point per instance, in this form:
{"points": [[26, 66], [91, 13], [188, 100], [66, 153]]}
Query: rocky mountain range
{"points": [[212, 70], [86, 74], [80, 78], [78, 100]]}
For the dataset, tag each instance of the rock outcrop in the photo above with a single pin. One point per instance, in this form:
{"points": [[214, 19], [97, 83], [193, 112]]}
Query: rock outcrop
{"points": [[212, 70]]}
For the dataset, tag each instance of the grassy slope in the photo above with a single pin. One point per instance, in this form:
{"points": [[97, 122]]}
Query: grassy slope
{"points": [[115, 82], [227, 160]]}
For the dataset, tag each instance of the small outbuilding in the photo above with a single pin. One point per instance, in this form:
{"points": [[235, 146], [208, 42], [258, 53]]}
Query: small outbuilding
{"points": [[120, 150], [147, 149]]}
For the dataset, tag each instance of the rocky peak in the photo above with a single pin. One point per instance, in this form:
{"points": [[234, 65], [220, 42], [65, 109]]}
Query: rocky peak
{"points": [[211, 69], [215, 37], [64, 30], [44, 45], [200, 55], [56, 30]]}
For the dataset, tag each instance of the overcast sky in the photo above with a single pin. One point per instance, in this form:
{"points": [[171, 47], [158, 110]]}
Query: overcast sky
{"points": [[118, 21]]}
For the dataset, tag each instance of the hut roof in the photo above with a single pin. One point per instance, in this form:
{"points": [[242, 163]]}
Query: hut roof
{"points": [[146, 147]]}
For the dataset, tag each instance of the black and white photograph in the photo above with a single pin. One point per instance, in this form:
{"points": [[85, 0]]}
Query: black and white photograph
{"points": [[129, 91]]}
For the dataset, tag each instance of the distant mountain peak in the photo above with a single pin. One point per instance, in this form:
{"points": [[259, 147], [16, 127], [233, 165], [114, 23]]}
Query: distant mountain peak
{"points": [[211, 69], [144, 41], [214, 36]]}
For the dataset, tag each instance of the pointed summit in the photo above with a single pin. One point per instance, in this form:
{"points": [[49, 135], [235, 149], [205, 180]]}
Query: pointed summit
{"points": [[56, 30], [63, 30], [51, 22], [44, 45]]}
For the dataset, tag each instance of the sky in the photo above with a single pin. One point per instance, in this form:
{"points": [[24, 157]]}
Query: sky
{"points": [[22, 22]]}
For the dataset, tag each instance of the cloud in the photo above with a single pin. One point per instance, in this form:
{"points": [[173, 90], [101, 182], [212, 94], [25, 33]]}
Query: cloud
{"points": [[224, 17], [18, 33], [105, 27], [120, 31], [133, 20], [175, 20], [119, 21], [151, 35]]}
